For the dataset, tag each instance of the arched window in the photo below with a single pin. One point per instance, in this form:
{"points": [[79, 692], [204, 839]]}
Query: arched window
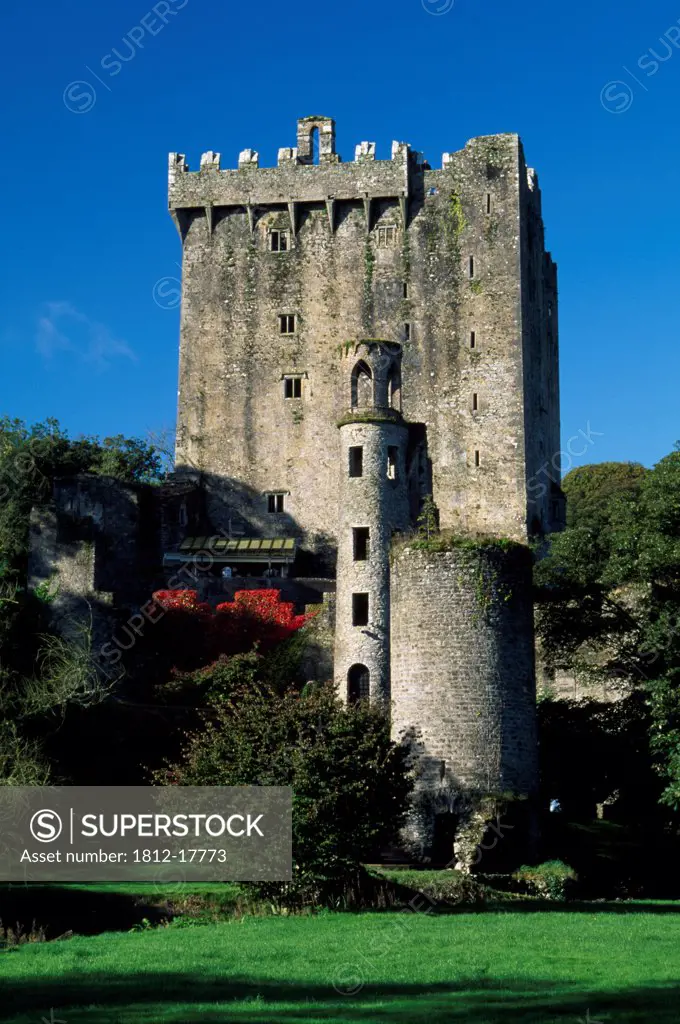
{"points": [[362, 386], [394, 389], [358, 683]]}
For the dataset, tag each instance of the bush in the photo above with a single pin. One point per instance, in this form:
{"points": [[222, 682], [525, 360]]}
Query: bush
{"points": [[350, 781], [554, 880], [190, 637], [449, 887]]}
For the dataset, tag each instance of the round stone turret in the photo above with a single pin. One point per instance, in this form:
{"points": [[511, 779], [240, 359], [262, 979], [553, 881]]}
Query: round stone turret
{"points": [[373, 506], [463, 685]]}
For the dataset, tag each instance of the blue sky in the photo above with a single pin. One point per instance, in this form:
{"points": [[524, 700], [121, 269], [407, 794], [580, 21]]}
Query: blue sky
{"points": [[90, 325]]}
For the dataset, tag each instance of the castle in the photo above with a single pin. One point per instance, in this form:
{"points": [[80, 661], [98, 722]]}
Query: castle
{"points": [[360, 341]]}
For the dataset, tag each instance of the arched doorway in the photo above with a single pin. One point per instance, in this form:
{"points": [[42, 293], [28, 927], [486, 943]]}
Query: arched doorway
{"points": [[358, 684]]}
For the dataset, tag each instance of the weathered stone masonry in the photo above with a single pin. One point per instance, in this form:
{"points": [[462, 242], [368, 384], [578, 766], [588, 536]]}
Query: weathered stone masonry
{"points": [[354, 337], [448, 262], [417, 311]]}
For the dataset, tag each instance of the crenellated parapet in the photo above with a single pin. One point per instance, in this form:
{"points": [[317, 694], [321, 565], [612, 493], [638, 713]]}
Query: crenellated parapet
{"points": [[296, 178]]}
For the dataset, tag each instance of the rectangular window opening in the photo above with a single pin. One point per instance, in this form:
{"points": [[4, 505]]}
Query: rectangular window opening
{"points": [[475, 401], [286, 323], [488, 202], [477, 459], [275, 502], [356, 461], [361, 543], [386, 235], [359, 609], [392, 453], [278, 241], [471, 267], [407, 332], [292, 387], [405, 290], [473, 339]]}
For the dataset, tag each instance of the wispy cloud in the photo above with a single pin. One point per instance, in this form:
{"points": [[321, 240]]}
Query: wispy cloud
{"points": [[63, 328]]}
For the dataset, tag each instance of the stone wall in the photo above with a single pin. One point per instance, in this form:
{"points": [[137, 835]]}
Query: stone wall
{"points": [[377, 249], [97, 546], [463, 686]]}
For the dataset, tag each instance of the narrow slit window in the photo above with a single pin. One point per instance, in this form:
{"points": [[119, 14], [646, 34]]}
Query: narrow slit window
{"points": [[278, 241], [473, 339], [405, 290], [292, 387], [475, 401], [356, 461], [359, 609], [477, 459], [286, 323], [392, 455], [361, 543], [407, 332], [275, 502], [471, 267], [488, 202]]}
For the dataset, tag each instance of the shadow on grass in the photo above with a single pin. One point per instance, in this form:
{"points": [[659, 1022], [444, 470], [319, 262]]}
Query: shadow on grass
{"points": [[539, 906], [100, 999], [60, 911]]}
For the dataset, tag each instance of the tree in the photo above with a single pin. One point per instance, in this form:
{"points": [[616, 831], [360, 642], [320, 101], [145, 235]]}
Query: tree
{"points": [[350, 781], [609, 595], [590, 489], [428, 520], [191, 637], [42, 676]]}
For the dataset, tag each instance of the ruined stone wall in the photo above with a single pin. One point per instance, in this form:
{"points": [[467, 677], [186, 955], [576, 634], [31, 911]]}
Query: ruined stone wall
{"points": [[463, 666], [65, 568], [97, 548], [345, 279]]}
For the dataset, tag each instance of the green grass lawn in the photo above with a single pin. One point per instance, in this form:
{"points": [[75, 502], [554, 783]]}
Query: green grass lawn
{"points": [[402, 967]]}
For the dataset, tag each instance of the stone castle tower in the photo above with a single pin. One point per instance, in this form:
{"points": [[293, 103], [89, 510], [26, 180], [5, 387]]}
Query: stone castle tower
{"points": [[358, 336]]}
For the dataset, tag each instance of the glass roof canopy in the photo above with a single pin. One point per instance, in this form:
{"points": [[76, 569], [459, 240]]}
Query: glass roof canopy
{"points": [[245, 549]]}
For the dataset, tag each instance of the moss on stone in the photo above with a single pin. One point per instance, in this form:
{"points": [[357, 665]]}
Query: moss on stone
{"points": [[491, 230], [456, 219], [370, 416], [447, 540]]}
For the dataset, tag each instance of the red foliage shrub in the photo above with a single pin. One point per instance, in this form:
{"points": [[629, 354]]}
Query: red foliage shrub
{"points": [[253, 617]]}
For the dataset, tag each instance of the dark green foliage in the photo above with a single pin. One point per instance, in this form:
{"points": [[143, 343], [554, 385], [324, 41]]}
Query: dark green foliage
{"points": [[591, 751], [428, 520], [350, 781], [590, 489], [554, 880], [41, 676], [609, 591]]}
